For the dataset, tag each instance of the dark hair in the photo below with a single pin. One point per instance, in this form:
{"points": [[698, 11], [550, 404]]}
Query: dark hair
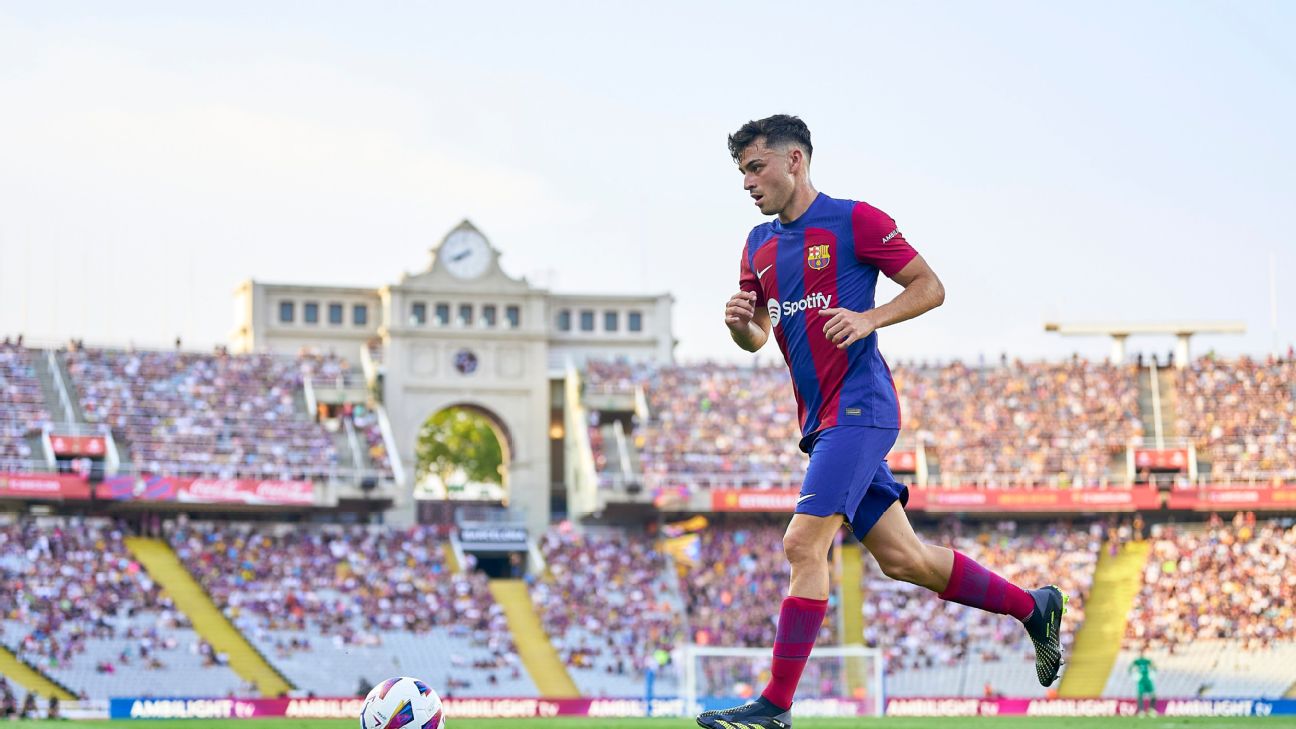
{"points": [[777, 130]]}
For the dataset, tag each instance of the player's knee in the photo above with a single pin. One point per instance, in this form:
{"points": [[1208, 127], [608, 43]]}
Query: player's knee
{"points": [[802, 550], [903, 565]]}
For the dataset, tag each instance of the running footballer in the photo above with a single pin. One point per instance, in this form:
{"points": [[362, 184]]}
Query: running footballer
{"points": [[808, 277]]}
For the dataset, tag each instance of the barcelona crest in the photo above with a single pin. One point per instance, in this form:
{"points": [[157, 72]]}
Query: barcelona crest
{"points": [[818, 257]]}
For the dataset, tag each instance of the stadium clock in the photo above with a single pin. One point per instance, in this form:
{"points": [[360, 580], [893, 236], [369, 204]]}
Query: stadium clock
{"points": [[465, 253]]}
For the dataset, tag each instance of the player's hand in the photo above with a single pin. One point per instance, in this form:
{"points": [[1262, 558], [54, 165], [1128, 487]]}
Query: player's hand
{"points": [[845, 327], [740, 310]]}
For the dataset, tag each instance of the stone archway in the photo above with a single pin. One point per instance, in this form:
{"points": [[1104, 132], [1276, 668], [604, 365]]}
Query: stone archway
{"points": [[452, 455], [455, 459]]}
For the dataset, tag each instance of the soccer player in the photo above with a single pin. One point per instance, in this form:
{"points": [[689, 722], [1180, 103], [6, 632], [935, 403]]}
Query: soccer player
{"points": [[1146, 690], [808, 277]]}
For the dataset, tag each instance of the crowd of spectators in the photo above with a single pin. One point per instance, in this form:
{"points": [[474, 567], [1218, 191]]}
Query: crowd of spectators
{"points": [[712, 424], [917, 630], [349, 586], [1242, 416], [64, 583], [1013, 424], [22, 405], [213, 415], [617, 376], [604, 602], [1233, 581], [1022, 423]]}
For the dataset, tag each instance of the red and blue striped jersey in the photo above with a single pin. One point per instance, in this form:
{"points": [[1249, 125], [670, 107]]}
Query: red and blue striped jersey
{"points": [[828, 258]]}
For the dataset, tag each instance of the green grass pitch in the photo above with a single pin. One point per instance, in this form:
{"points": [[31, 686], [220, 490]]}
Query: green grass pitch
{"points": [[895, 723]]}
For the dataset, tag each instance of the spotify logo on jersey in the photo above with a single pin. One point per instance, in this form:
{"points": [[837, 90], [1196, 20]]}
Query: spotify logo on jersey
{"points": [[778, 310]]}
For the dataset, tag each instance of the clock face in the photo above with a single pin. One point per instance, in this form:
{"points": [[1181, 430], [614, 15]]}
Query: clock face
{"points": [[465, 253]]}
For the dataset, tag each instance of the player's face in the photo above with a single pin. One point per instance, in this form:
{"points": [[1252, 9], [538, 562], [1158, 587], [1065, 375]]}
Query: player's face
{"points": [[768, 175]]}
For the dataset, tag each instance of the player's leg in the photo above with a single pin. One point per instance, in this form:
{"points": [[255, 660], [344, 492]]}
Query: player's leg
{"points": [[957, 577], [890, 538], [841, 462], [805, 544], [801, 615]]}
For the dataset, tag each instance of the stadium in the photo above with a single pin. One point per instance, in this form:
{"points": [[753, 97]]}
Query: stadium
{"points": [[265, 527], [476, 437]]}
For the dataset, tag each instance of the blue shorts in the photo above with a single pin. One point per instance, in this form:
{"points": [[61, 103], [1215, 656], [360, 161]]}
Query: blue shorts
{"points": [[848, 475]]}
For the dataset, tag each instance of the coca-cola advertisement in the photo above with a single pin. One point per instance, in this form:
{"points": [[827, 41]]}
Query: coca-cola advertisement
{"points": [[246, 491]]}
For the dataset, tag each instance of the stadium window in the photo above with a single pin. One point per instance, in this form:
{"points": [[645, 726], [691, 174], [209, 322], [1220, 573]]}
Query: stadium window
{"points": [[611, 320], [465, 315], [514, 316], [360, 315], [418, 313], [286, 312], [564, 320], [310, 312], [634, 321], [443, 314], [488, 315], [335, 314], [587, 321]]}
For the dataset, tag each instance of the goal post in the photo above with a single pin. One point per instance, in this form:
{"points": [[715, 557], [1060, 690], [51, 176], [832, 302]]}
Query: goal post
{"points": [[838, 680]]}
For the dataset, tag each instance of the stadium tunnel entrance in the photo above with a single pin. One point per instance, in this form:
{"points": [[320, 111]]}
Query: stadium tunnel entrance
{"points": [[462, 455]]}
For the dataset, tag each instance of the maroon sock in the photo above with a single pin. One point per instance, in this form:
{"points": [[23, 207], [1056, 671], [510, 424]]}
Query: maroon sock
{"points": [[974, 585], [799, 621]]}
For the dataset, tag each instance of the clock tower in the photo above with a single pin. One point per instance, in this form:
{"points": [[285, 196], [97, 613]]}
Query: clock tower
{"points": [[463, 333]]}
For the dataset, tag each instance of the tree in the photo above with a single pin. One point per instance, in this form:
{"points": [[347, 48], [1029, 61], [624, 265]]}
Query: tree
{"points": [[459, 439]]}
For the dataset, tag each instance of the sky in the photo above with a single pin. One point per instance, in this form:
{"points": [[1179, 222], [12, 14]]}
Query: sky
{"points": [[1110, 161]]}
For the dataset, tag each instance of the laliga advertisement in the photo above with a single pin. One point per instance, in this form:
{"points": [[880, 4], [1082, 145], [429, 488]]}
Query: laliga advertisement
{"points": [[43, 486], [962, 500]]}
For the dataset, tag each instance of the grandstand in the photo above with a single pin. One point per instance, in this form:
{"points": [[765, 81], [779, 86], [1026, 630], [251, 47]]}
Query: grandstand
{"points": [[1043, 471], [608, 603], [23, 415], [328, 607], [80, 609], [1217, 609]]}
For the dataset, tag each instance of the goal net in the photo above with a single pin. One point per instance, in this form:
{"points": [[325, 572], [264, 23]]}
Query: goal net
{"points": [[838, 680]]}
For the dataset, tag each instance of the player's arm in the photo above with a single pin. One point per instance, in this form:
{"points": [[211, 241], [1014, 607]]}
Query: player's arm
{"points": [[923, 292], [748, 324], [879, 243]]}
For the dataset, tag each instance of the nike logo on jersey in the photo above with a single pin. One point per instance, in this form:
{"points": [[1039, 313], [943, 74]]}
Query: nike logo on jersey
{"points": [[803, 498], [761, 273]]}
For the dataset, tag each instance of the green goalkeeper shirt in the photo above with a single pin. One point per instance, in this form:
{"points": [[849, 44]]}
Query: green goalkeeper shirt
{"points": [[1145, 670]]}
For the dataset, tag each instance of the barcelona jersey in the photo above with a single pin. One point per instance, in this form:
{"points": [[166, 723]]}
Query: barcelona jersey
{"points": [[827, 258]]}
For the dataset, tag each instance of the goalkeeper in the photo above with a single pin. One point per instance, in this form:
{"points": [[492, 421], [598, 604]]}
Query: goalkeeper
{"points": [[1146, 690]]}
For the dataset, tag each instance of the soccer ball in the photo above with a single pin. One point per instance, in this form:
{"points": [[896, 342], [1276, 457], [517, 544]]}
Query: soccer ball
{"points": [[402, 702]]}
